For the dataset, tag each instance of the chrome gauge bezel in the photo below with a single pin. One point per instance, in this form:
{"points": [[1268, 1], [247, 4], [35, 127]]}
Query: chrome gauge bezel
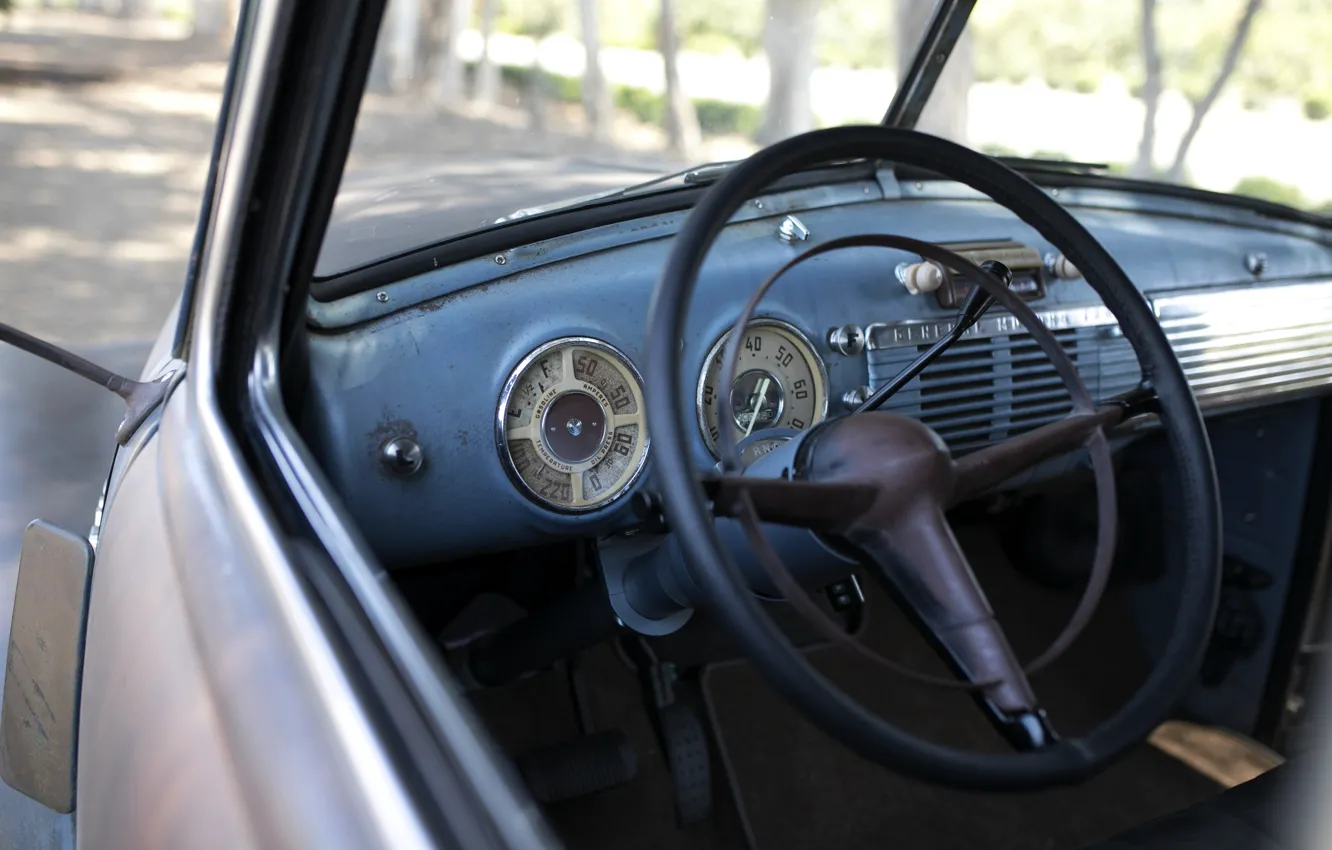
{"points": [[820, 370], [501, 428]]}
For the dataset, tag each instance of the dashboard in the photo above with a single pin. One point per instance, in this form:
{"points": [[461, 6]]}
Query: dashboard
{"points": [[497, 403]]}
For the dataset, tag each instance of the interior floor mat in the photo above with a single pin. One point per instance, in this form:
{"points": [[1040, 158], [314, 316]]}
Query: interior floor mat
{"points": [[796, 787], [1225, 757], [638, 815]]}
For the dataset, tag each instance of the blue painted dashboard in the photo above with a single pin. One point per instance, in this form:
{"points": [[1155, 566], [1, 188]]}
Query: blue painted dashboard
{"points": [[428, 356]]}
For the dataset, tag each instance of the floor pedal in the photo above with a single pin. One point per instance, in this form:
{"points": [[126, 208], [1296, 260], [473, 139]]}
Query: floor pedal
{"points": [[686, 746], [680, 731], [579, 767]]}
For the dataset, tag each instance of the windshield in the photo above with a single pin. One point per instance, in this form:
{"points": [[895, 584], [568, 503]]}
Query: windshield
{"points": [[479, 111], [1225, 95]]}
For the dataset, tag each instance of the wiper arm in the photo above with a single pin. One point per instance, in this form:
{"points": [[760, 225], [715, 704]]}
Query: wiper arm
{"points": [[695, 175]]}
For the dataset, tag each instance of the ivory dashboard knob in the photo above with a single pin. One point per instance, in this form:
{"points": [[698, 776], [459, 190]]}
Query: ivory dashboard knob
{"points": [[1059, 266], [920, 277]]}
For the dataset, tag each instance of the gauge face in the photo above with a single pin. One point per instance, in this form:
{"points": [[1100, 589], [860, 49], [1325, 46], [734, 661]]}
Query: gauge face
{"points": [[780, 382], [570, 425]]}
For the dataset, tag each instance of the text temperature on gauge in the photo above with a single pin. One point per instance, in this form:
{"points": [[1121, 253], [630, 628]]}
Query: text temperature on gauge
{"points": [[780, 382], [570, 425]]}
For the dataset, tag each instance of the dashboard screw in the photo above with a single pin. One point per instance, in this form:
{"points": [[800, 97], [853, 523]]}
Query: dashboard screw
{"points": [[500, 259], [401, 456], [381, 297]]}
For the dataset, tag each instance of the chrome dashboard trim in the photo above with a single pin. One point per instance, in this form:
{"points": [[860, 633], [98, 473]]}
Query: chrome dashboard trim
{"points": [[881, 335], [501, 429], [1236, 345], [1239, 345]]}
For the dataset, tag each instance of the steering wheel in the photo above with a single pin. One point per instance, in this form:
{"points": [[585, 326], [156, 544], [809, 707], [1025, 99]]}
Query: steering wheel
{"points": [[879, 483]]}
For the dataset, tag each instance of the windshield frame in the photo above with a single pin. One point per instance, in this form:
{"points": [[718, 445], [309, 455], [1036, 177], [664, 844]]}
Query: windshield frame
{"points": [[928, 63]]}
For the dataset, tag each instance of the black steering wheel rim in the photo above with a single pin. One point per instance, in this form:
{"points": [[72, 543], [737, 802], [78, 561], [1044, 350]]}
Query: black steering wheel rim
{"points": [[724, 589]]}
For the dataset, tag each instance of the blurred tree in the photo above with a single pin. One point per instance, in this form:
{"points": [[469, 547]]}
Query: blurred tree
{"points": [[789, 37], [682, 130], [945, 113], [487, 70], [442, 28], [596, 93], [538, 19], [1203, 105], [428, 40], [1151, 91], [399, 32]]}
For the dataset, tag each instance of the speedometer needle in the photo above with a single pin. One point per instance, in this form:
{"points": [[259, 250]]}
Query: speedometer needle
{"points": [[759, 394]]}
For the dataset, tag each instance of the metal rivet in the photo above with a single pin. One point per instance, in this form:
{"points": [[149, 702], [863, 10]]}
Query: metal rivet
{"points": [[920, 186], [1054, 192], [401, 456], [500, 259], [1255, 262], [381, 297], [758, 203]]}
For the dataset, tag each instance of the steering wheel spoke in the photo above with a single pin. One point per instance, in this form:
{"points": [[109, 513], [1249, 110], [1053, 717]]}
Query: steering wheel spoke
{"points": [[826, 507], [920, 561], [989, 467]]}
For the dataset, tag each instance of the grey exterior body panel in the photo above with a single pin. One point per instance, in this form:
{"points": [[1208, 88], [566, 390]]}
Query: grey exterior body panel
{"points": [[154, 769], [57, 438]]}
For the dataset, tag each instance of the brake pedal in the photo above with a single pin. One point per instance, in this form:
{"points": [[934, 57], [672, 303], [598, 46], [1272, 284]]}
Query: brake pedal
{"points": [[579, 767], [680, 731]]}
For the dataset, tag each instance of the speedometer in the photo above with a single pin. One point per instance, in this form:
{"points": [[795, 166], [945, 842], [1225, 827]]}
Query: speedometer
{"points": [[780, 383], [570, 425]]}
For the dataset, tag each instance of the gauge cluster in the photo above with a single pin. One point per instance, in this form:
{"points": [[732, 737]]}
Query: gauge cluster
{"points": [[570, 424]]}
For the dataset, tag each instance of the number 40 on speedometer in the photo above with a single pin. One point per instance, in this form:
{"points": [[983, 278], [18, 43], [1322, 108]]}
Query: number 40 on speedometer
{"points": [[780, 382]]}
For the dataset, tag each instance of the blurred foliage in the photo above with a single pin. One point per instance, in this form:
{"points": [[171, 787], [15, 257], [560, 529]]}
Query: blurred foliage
{"points": [[537, 18], [1074, 44], [715, 116], [1272, 190], [1071, 44]]}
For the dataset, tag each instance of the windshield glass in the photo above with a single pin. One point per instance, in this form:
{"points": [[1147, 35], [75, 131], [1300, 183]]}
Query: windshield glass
{"points": [[478, 111], [1226, 95]]}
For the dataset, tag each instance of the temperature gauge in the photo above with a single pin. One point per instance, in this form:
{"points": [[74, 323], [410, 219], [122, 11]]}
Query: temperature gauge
{"points": [[570, 425]]}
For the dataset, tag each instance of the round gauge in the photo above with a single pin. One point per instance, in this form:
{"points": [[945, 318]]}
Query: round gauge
{"points": [[780, 382], [570, 425]]}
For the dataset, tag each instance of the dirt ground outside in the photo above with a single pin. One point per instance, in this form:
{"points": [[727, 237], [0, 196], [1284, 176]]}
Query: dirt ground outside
{"points": [[105, 131]]}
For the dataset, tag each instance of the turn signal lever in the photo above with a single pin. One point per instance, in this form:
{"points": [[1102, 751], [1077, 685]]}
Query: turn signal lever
{"points": [[978, 300]]}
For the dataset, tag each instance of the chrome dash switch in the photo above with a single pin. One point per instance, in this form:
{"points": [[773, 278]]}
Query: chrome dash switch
{"points": [[791, 230]]}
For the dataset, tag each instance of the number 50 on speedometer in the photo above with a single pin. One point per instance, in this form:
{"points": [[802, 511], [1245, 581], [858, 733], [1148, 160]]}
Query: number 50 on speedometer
{"points": [[780, 382]]}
